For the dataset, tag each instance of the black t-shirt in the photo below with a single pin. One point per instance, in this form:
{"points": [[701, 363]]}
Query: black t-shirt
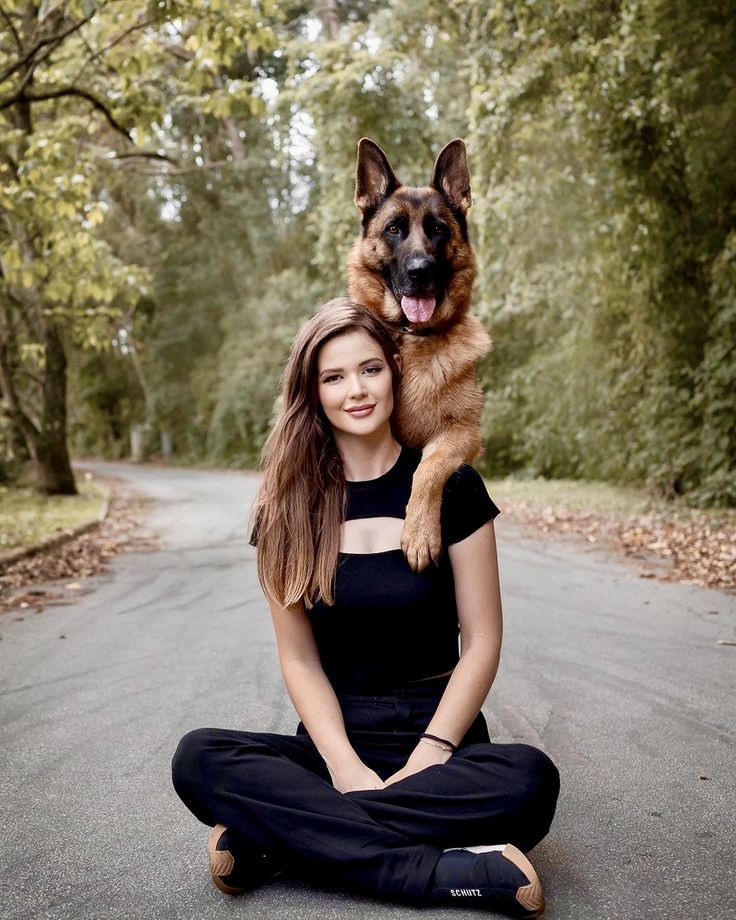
{"points": [[389, 625]]}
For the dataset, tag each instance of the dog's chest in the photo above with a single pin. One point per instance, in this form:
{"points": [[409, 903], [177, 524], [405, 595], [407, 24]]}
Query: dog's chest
{"points": [[427, 393]]}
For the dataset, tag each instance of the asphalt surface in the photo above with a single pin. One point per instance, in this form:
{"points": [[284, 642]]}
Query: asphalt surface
{"points": [[620, 679]]}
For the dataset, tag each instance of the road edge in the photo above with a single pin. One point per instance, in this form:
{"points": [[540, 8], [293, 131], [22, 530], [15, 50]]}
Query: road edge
{"points": [[61, 538]]}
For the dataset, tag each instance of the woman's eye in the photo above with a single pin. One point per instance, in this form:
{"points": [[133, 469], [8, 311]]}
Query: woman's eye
{"points": [[374, 367]]}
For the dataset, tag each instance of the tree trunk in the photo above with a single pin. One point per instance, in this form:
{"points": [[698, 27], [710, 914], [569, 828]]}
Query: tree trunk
{"points": [[327, 12], [45, 442], [45, 438], [54, 474]]}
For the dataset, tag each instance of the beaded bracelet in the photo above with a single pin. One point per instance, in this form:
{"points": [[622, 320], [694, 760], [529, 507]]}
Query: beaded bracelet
{"points": [[450, 746]]}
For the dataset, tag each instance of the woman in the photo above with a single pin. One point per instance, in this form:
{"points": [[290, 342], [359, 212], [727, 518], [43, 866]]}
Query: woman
{"points": [[390, 786]]}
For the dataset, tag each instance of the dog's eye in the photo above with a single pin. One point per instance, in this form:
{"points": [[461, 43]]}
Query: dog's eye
{"points": [[435, 228], [392, 228]]}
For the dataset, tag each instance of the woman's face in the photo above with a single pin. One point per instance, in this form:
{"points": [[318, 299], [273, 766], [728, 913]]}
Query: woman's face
{"points": [[352, 372]]}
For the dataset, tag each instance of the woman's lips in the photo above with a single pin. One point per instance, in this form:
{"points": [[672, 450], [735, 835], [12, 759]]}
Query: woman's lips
{"points": [[362, 412]]}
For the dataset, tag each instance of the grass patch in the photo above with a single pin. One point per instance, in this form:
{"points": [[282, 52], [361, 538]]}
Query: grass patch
{"points": [[581, 496], [573, 494], [26, 517]]}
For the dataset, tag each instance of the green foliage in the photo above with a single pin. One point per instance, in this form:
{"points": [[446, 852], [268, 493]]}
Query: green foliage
{"points": [[601, 146], [106, 402], [715, 388], [84, 85], [249, 367], [599, 135]]}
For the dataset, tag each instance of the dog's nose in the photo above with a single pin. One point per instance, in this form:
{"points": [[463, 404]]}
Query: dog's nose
{"points": [[420, 268]]}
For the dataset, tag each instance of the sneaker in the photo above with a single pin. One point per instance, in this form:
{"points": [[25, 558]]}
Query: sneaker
{"points": [[250, 871], [496, 878]]}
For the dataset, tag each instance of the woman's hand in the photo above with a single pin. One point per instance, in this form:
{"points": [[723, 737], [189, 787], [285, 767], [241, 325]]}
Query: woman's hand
{"points": [[355, 777], [424, 755]]}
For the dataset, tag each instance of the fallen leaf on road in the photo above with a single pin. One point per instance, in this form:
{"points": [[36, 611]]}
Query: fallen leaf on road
{"points": [[78, 558], [692, 546]]}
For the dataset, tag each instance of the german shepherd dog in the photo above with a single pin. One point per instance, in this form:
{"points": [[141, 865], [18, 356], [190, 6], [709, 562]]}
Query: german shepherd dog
{"points": [[414, 266]]}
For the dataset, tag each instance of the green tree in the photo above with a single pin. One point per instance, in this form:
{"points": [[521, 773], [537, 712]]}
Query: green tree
{"points": [[85, 86], [607, 205]]}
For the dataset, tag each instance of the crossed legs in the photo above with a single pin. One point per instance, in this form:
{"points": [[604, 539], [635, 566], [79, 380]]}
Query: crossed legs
{"points": [[275, 792]]}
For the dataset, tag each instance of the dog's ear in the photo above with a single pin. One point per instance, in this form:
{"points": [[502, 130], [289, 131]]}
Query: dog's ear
{"points": [[374, 178], [451, 175]]}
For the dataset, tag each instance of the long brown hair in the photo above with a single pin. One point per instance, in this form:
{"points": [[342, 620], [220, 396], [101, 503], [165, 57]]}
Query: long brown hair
{"points": [[302, 498]]}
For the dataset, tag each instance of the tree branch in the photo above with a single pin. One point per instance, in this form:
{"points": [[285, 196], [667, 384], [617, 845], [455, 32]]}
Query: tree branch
{"points": [[9, 21], [51, 40], [181, 53], [13, 166], [55, 12], [10, 330], [68, 91], [145, 154], [98, 104], [181, 170], [30, 71], [31, 376], [115, 41], [231, 129]]}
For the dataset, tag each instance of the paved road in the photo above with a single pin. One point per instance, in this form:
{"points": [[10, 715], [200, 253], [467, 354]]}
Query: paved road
{"points": [[619, 678]]}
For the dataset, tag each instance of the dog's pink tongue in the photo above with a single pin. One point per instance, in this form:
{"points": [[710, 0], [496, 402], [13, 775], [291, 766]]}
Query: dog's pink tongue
{"points": [[417, 309]]}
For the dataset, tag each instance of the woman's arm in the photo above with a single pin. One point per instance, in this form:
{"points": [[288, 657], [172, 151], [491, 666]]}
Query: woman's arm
{"points": [[475, 571], [314, 700]]}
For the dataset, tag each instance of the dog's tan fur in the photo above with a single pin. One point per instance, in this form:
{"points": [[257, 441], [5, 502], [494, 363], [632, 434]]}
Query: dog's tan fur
{"points": [[440, 401]]}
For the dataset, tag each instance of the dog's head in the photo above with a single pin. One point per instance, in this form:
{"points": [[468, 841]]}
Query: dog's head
{"points": [[413, 263]]}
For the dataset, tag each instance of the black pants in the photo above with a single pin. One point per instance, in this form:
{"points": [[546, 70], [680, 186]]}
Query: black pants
{"points": [[274, 793]]}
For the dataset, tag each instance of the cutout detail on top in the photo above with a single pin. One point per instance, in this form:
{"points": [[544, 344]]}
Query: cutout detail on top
{"points": [[363, 536]]}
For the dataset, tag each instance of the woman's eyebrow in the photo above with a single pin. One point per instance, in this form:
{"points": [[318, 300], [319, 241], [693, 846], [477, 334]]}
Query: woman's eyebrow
{"points": [[330, 370]]}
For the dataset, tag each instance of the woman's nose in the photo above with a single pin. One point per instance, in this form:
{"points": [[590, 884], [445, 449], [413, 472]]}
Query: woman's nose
{"points": [[357, 385]]}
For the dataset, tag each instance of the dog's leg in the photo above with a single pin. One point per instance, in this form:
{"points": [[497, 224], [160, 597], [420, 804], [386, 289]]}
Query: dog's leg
{"points": [[421, 540]]}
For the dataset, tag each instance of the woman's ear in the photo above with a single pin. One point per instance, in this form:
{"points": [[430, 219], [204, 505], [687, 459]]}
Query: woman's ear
{"points": [[397, 358]]}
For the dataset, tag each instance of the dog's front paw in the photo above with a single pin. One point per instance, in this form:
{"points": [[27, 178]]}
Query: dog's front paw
{"points": [[421, 541]]}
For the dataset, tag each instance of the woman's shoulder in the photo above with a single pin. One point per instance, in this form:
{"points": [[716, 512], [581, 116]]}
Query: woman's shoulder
{"points": [[466, 504], [464, 476]]}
